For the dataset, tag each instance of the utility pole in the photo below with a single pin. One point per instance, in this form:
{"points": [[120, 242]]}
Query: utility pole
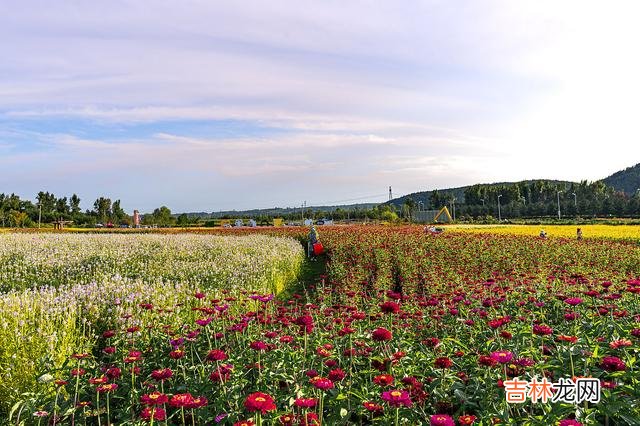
{"points": [[499, 215], [559, 204], [39, 213], [453, 204], [482, 199]]}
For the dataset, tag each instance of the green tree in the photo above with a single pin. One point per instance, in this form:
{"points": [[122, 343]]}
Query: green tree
{"points": [[74, 204], [102, 208], [118, 215], [162, 216]]}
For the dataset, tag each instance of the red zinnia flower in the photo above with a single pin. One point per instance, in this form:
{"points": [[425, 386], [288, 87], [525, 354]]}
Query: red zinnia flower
{"points": [[244, 423], [397, 398], [570, 339], [109, 387], [321, 383], [216, 355], [466, 420], [443, 362], [198, 402], [176, 354], [336, 375], [306, 322], [287, 419], [383, 380], [98, 380], [486, 361], [431, 342], [372, 407], [181, 400], [389, 307], [222, 373], [78, 371], [305, 402], [154, 398], [161, 375], [258, 345], [542, 330], [612, 363], [80, 356], [113, 373], [259, 401], [381, 334], [310, 419], [156, 413]]}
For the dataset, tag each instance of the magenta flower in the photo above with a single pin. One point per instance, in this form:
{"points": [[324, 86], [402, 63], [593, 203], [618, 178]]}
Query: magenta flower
{"points": [[442, 420], [502, 357], [397, 398]]}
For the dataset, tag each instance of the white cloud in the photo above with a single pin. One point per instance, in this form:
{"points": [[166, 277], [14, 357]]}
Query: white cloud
{"points": [[359, 93]]}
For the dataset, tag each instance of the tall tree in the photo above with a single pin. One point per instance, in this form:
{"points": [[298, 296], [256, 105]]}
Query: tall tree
{"points": [[74, 204], [102, 208], [117, 213], [61, 206]]}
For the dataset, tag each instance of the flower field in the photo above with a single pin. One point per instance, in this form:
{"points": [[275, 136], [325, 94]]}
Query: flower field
{"points": [[402, 328], [61, 291], [618, 232]]}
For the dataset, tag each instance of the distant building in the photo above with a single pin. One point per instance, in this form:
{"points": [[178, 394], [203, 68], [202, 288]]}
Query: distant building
{"points": [[136, 219]]}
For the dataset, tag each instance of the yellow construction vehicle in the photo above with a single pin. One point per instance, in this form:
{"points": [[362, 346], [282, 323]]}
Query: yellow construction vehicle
{"points": [[446, 213]]}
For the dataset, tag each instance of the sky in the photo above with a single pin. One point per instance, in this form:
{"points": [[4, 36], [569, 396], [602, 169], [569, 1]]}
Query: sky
{"points": [[208, 106]]}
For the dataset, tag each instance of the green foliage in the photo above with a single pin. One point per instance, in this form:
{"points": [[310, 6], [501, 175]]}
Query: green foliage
{"points": [[627, 180]]}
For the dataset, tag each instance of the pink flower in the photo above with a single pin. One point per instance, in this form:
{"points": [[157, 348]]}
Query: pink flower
{"points": [[397, 398], [502, 357], [441, 420], [569, 422]]}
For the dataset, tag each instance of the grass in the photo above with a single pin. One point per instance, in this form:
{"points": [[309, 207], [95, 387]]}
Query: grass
{"points": [[309, 275]]}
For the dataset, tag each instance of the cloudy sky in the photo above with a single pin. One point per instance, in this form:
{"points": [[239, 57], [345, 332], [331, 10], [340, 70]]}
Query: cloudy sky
{"points": [[204, 106]]}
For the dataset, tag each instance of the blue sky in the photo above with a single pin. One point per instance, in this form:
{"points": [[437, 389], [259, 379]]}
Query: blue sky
{"points": [[205, 106]]}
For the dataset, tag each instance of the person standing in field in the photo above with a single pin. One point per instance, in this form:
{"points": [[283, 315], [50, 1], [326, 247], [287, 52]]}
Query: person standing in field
{"points": [[579, 234], [314, 237]]}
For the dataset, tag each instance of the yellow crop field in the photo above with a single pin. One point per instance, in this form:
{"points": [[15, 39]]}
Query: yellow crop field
{"points": [[567, 231]]}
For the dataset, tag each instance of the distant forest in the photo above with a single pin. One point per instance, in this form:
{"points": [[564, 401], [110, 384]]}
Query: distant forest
{"points": [[540, 198]]}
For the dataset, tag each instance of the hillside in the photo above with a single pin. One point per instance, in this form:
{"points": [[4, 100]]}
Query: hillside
{"points": [[445, 195], [627, 180]]}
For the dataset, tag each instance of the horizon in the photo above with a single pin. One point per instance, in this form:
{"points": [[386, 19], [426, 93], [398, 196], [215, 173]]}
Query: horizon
{"points": [[212, 107]]}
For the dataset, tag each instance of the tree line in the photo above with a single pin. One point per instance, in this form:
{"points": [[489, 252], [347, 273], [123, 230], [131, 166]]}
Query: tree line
{"points": [[540, 198], [16, 212]]}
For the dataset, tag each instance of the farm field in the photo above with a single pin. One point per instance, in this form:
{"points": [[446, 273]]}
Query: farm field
{"points": [[401, 328], [631, 232]]}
